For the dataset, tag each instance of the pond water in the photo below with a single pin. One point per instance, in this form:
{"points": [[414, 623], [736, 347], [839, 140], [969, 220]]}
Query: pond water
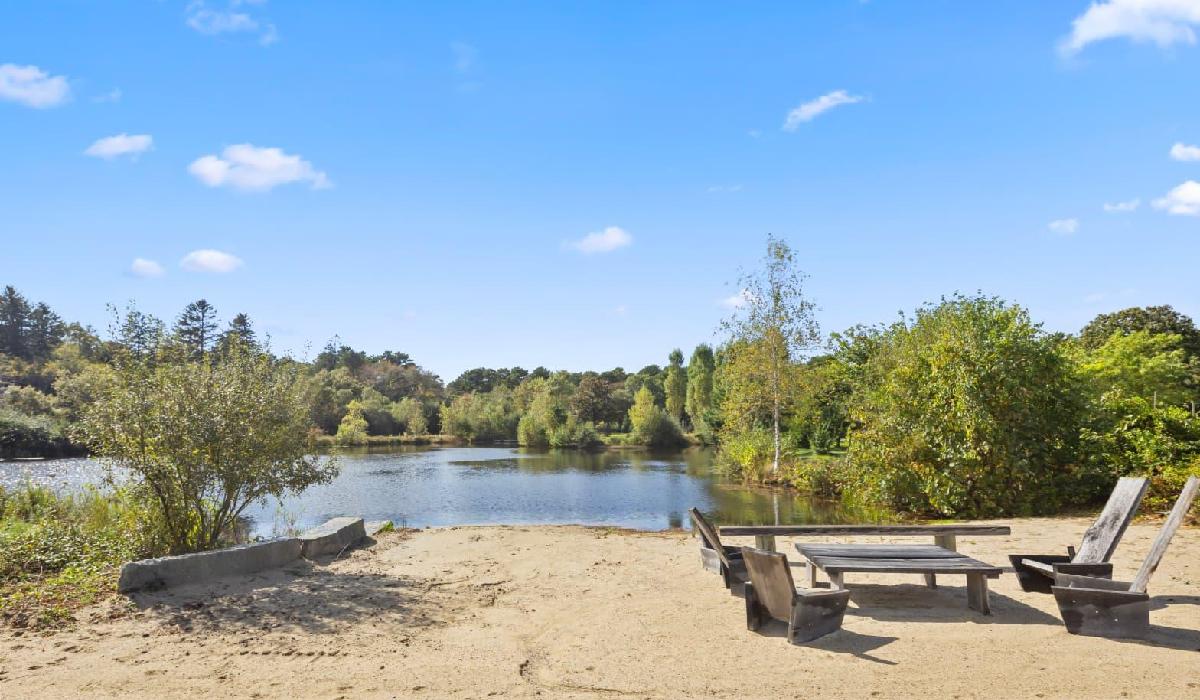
{"points": [[434, 486]]}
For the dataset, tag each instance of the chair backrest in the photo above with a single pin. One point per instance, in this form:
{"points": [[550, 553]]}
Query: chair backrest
{"points": [[772, 580], [708, 535], [1159, 548], [1100, 540]]}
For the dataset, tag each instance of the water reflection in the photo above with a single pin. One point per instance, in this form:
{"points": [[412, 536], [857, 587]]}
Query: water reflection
{"points": [[436, 486]]}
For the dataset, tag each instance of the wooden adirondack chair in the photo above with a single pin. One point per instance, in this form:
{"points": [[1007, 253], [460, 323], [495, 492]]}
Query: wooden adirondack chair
{"points": [[771, 593], [714, 556], [1036, 572], [1101, 607]]}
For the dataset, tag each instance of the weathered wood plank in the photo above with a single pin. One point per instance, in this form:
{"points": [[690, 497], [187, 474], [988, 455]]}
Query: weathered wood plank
{"points": [[765, 542], [1100, 540], [833, 530], [1159, 548], [877, 551], [946, 541], [961, 565]]}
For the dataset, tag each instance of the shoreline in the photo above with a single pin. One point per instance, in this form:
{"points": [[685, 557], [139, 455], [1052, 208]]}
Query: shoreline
{"points": [[592, 611]]}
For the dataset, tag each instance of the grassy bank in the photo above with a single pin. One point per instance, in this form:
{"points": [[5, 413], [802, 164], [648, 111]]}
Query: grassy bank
{"points": [[61, 553], [386, 440]]}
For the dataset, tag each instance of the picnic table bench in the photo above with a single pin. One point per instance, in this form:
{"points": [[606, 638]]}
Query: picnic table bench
{"points": [[927, 559], [943, 535]]}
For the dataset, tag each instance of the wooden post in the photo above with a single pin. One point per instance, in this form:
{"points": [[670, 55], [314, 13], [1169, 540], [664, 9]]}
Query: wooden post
{"points": [[812, 574], [977, 593], [836, 581], [766, 542], [931, 580], [946, 542]]}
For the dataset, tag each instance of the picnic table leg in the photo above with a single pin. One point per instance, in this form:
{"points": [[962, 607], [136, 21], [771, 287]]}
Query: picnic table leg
{"points": [[836, 580], [946, 542], [766, 542], [812, 574], [931, 580], [977, 593]]}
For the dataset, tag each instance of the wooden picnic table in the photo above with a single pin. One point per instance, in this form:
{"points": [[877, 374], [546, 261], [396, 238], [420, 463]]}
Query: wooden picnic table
{"points": [[943, 535]]}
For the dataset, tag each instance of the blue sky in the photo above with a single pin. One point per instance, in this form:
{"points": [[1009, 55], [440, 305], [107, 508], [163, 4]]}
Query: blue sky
{"points": [[439, 167]]}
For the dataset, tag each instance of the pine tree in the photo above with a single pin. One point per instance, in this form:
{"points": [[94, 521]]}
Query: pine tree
{"points": [[46, 331], [196, 328], [14, 323], [239, 331]]}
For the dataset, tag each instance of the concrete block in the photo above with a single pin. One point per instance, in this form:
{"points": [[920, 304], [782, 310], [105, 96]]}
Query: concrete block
{"points": [[205, 566], [332, 537]]}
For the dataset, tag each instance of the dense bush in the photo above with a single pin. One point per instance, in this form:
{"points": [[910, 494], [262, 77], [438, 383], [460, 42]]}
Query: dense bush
{"points": [[32, 436], [476, 417], [650, 425], [968, 411]]}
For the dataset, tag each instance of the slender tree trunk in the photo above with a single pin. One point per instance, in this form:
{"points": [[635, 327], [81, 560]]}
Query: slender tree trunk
{"points": [[775, 463]]}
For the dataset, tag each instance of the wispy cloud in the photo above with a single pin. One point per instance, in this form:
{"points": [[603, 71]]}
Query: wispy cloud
{"points": [[33, 87], [1184, 152], [738, 300], [464, 56], [141, 267], [208, 260], [606, 241], [1161, 22], [253, 169], [111, 147], [233, 19], [1183, 200], [113, 95], [1120, 207], [813, 108], [1064, 227]]}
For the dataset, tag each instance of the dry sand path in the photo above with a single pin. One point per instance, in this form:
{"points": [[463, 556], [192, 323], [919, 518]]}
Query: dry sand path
{"points": [[572, 612]]}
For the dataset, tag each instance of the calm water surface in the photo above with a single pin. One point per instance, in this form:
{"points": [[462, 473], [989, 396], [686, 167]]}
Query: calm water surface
{"points": [[433, 486]]}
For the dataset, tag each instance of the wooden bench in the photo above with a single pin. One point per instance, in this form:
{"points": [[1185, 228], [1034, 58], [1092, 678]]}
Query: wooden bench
{"points": [[929, 560], [944, 536]]}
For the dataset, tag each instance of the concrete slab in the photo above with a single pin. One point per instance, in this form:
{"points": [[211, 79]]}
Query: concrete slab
{"points": [[332, 537], [204, 566]]}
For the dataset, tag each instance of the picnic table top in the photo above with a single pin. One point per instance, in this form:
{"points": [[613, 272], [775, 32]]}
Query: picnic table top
{"points": [[934, 565], [820, 530], [877, 551]]}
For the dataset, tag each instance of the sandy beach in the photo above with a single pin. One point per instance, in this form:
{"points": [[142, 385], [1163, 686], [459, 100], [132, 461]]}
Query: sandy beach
{"points": [[574, 612]]}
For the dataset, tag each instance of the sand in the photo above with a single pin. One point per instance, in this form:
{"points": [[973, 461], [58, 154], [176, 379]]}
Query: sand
{"points": [[573, 612]]}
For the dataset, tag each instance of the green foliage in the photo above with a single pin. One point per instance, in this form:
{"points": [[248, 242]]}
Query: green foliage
{"points": [[352, 430], [27, 400], [699, 399], [478, 417], [1151, 366], [1154, 320], [32, 436], [968, 411], [650, 425], [59, 553], [206, 439], [409, 415], [1130, 436], [675, 387]]}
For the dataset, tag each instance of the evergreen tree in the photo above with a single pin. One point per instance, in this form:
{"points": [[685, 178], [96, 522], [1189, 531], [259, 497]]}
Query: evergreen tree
{"points": [[240, 331], [46, 331], [196, 328], [14, 323], [140, 333]]}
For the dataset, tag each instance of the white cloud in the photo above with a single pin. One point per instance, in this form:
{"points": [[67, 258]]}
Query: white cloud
{"points": [[813, 108], [1064, 226], [250, 168], [1183, 200], [110, 147], [1182, 151], [1118, 207], [1162, 22], [738, 300], [208, 260], [206, 20], [142, 267], [604, 241], [32, 86]]}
